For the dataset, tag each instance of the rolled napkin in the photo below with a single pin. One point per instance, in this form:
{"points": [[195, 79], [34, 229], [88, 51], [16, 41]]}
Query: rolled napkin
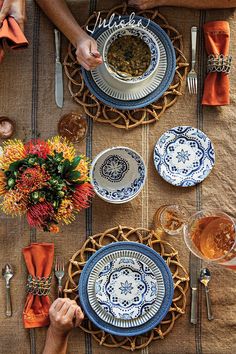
{"points": [[216, 86], [11, 35], [39, 261]]}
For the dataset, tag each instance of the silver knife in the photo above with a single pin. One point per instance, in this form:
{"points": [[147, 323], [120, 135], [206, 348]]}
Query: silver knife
{"points": [[58, 71], [193, 285]]}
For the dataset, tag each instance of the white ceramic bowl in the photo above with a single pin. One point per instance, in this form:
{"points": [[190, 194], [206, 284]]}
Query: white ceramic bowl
{"points": [[118, 174], [148, 38]]}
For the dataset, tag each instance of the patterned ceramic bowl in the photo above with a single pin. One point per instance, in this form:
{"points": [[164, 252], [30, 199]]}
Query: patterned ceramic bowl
{"points": [[118, 174], [146, 37]]}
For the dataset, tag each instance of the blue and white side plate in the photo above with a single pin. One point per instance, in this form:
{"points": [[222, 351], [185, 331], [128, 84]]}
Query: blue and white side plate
{"points": [[118, 174], [184, 156], [126, 288]]}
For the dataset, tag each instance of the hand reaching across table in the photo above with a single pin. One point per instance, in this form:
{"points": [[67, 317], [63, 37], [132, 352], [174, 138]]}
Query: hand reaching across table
{"points": [[14, 8], [197, 4], [64, 315], [86, 46]]}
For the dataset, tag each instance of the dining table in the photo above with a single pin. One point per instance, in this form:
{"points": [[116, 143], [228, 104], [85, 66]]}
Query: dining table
{"points": [[27, 97]]}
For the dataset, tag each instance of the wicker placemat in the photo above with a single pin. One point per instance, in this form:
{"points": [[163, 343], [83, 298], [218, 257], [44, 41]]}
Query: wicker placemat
{"points": [[153, 240], [102, 113]]}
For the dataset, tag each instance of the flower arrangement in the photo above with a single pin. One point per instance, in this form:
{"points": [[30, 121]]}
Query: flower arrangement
{"points": [[44, 180]]}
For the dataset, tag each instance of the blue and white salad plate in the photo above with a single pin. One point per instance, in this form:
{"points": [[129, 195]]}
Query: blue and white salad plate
{"points": [[126, 288], [117, 94], [184, 156], [118, 174]]}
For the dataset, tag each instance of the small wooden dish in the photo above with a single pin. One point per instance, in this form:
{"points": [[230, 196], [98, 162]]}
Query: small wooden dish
{"points": [[7, 128]]}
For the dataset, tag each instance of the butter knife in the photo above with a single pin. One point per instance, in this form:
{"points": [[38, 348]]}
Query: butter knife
{"points": [[58, 71], [193, 285]]}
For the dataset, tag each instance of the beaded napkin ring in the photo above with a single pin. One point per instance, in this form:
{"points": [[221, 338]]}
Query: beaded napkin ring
{"points": [[219, 63], [38, 285]]}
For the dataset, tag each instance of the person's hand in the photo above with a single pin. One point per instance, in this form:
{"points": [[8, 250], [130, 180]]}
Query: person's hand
{"points": [[87, 53], [14, 8], [143, 4], [64, 315]]}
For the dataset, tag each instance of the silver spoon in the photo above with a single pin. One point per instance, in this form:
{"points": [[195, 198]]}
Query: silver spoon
{"points": [[205, 277], [7, 273], [122, 74]]}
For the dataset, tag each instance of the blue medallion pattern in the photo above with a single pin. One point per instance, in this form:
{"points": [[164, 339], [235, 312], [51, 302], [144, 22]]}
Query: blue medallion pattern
{"points": [[135, 258], [126, 288], [184, 156], [127, 173], [114, 168]]}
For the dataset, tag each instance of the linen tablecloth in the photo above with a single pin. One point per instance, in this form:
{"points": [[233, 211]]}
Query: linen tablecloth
{"points": [[27, 95]]}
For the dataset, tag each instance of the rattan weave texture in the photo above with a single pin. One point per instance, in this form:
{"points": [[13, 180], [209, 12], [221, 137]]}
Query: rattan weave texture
{"points": [[153, 240], [102, 113]]}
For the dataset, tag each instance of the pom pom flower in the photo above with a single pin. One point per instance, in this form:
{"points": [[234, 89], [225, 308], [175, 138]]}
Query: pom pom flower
{"points": [[44, 180]]}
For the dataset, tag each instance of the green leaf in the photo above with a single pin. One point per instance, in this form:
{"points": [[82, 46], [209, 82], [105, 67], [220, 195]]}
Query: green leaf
{"points": [[75, 162], [15, 165], [66, 165], [74, 175]]}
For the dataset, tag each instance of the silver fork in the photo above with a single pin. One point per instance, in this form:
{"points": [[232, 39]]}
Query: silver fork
{"points": [[192, 75], [59, 273]]}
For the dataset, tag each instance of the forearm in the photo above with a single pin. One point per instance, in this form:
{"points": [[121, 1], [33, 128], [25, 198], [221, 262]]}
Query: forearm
{"points": [[198, 4], [55, 344], [59, 13]]}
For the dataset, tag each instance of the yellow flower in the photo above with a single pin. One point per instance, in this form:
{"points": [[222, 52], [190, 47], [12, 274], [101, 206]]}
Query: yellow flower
{"points": [[83, 168], [14, 203], [60, 144], [65, 212], [2, 183], [13, 150]]}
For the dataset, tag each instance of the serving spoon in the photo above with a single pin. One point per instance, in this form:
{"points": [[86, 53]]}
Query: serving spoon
{"points": [[205, 277]]}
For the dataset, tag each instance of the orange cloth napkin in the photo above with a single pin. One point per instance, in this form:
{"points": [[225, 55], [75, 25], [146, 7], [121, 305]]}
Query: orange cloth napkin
{"points": [[11, 35], [216, 86], [39, 260]]}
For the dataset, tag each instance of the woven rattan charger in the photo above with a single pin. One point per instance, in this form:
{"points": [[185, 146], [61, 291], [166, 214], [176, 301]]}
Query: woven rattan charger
{"points": [[153, 240], [102, 113]]}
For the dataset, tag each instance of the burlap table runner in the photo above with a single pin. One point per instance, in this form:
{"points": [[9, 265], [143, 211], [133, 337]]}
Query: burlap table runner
{"points": [[27, 95]]}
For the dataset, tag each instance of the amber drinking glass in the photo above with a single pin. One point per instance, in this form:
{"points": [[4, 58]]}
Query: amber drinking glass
{"points": [[171, 218], [210, 235]]}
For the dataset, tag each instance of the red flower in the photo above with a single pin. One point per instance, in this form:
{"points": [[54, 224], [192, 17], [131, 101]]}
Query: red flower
{"points": [[81, 196], [32, 178], [39, 215], [40, 148]]}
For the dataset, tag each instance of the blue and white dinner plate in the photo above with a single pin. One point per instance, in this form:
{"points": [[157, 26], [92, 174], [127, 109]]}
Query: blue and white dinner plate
{"points": [[184, 156], [158, 90], [126, 288], [125, 90]]}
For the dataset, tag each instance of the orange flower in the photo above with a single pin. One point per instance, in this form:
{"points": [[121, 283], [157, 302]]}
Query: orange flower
{"points": [[13, 150], [54, 229], [2, 183], [32, 178], [14, 203], [65, 212], [83, 168], [60, 144]]}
